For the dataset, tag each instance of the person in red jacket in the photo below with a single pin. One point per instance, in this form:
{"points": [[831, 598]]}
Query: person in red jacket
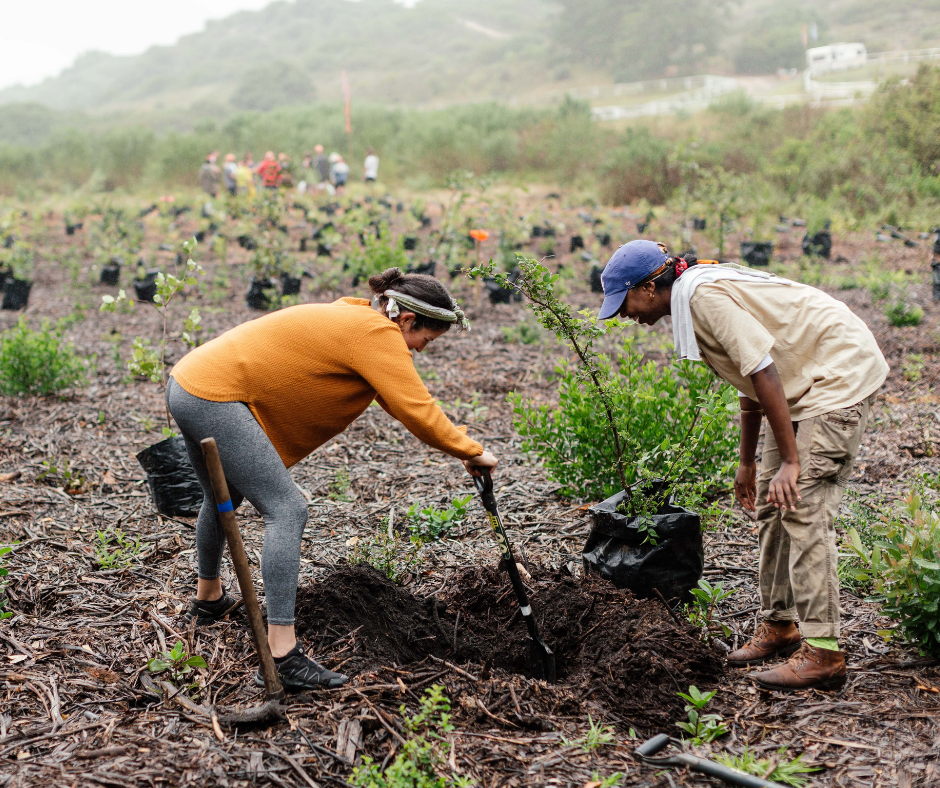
{"points": [[269, 170]]}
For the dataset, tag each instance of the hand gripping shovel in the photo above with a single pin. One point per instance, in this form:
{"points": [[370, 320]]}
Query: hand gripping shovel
{"points": [[647, 750], [272, 710], [542, 657]]}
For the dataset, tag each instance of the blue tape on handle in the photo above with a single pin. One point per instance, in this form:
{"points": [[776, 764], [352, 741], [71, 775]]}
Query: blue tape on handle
{"points": [[225, 507]]}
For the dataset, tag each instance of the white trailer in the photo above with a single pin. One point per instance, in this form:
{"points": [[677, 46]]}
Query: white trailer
{"points": [[835, 57]]}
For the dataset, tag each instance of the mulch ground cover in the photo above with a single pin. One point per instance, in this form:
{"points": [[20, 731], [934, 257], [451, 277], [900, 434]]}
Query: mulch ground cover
{"points": [[74, 708]]}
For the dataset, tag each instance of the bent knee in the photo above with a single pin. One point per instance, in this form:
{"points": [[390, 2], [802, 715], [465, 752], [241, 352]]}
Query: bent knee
{"points": [[293, 509]]}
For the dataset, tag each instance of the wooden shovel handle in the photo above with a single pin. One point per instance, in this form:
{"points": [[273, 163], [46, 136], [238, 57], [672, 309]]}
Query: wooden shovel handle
{"points": [[236, 548]]}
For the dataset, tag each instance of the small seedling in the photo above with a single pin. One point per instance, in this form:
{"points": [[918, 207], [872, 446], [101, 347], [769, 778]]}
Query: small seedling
{"points": [[69, 480], [610, 781], [474, 411], [879, 289], [913, 367], [596, 736], [523, 333], [176, 663], [150, 362], [901, 314], [705, 598], [430, 524], [115, 550], [776, 769], [393, 555], [702, 728], [339, 488]]}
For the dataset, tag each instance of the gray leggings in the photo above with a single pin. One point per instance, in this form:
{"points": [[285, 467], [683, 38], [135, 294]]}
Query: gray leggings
{"points": [[255, 471]]}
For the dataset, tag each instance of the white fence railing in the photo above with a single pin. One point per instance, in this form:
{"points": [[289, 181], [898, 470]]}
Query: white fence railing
{"points": [[904, 56], [626, 89], [709, 89]]}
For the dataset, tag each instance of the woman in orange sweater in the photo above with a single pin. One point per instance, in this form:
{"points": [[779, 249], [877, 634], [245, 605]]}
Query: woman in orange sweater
{"points": [[271, 391]]}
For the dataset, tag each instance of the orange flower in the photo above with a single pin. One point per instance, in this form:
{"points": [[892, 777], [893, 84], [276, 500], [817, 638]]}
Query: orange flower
{"points": [[479, 235]]}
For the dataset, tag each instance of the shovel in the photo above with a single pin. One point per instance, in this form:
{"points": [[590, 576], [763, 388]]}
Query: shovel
{"points": [[542, 657], [272, 710], [647, 750]]}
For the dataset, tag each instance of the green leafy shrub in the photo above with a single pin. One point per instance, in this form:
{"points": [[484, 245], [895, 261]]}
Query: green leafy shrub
{"points": [[421, 762], [620, 422], [656, 409], [901, 314], [863, 516], [38, 361], [903, 568], [377, 253]]}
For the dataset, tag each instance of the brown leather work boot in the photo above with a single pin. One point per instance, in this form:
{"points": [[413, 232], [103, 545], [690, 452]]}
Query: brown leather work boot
{"points": [[772, 638], [809, 668]]}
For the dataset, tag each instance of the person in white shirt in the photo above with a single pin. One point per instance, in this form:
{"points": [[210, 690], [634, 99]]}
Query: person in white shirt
{"points": [[371, 167], [339, 171]]}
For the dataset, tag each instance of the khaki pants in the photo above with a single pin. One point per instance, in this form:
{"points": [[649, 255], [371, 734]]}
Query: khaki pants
{"points": [[798, 555]]}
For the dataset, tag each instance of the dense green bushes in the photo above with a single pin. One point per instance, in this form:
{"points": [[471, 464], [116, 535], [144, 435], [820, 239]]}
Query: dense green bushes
{"points": [[38, 362], [654, 408], [896, 554]]}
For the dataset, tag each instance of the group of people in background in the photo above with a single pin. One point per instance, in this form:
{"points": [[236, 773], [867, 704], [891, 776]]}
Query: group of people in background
{"points": [[317, 172]]}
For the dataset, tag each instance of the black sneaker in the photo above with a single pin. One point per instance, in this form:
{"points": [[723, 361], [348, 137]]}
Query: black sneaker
{"points": [[209, 612], [298, 672]]}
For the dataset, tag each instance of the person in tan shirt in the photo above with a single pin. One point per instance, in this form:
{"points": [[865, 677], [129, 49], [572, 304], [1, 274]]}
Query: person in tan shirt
{"points": [[806, 362], [273, 390]]}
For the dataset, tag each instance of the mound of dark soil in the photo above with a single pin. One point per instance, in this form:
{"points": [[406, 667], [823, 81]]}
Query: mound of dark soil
{"points": [[377, 622], [609, 646]]}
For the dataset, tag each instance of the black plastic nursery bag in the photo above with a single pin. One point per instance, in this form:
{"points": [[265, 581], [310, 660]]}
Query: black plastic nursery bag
{"points": [[173, 484], [615, 550]]}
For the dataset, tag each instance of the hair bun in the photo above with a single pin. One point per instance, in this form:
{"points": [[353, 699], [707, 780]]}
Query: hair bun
{"points": [[389, 278]]}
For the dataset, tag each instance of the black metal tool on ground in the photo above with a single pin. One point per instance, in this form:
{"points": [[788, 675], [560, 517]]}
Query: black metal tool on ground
{"points": [[645, 752], [542, 656]]}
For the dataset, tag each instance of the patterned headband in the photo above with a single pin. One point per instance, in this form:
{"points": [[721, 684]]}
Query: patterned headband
{"points": [[397, 299]]}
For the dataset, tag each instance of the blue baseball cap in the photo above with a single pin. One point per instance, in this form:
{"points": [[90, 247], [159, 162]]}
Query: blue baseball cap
{"points": [[628, 266]]}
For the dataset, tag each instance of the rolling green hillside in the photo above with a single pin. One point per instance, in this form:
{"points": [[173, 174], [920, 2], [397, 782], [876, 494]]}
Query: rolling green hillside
{"points": [[439, 53], [392, 54]]}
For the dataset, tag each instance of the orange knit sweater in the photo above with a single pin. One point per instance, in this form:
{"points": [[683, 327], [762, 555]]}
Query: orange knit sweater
{"points": [[307, 372]]}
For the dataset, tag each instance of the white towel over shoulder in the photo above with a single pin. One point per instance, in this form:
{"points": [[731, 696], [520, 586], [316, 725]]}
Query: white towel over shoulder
{"points": [[682, 332]]}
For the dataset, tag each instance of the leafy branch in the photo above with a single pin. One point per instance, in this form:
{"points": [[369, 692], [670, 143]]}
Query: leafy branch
{"points": [[536, 283]]}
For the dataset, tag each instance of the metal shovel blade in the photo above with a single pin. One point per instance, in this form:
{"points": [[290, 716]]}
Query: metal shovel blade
{"points": [[543, 659]]}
